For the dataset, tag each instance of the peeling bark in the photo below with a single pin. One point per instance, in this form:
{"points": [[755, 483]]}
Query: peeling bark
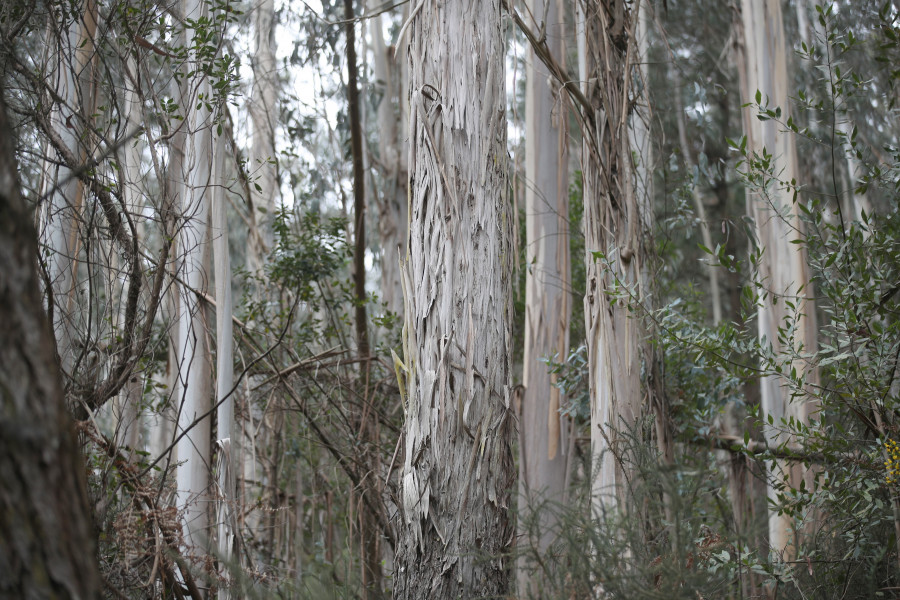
{"points": [[458, 472], [617, 232]]}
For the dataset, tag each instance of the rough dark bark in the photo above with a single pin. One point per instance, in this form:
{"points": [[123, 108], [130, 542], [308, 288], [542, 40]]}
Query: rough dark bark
{"points": [[47, 549], [458, 472]]}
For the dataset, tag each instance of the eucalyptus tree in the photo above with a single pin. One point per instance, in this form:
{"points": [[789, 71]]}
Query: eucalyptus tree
{"points": [[264, 118], [194, 367], [457, 467], [617, 221], [72, 38], [786, 309], [543, 437], [391, 199]]}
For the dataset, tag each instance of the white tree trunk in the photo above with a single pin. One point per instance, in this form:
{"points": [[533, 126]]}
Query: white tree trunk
{"points": [[458, 470], [548, 308], [617, 228], [165, 421], [783, 270], [72, 73], [225, 430], [263, 165], [393, 197], [128, 430], [194, 369]]}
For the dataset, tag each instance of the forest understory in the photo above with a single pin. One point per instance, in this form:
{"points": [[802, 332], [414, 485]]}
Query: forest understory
{"points": [[513, 299]]}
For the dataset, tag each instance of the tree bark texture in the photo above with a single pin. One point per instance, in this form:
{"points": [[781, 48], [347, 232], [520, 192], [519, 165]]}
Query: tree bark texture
{"points": [[47, 548], [783, 272], [548, 307], [458, 472], [617, 231]]}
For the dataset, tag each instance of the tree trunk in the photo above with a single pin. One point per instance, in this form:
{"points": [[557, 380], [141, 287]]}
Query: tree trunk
{"points": [[263, 114], [367, 427], [617, 230], [74, 35], [548, 309], [712, 270], [194, 367], [390, 75], [225, 431], [458, 471], [48, 548], [128, 409], [783, 271]]}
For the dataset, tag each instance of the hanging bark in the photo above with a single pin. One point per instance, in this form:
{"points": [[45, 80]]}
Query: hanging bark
{"points": [[783, 274], [45, 524], [548, 309], [457, 470], [617, 232]]}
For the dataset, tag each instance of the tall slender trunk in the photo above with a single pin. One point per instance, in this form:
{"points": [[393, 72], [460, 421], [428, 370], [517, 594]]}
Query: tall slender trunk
{"points": [[263, 115], [63, 191], [367, 425], [617, 231], [548, 308], [173, 193], [391, 202], [457, 470], [128, 430], [45, 523], [225, 430], [193, 449], [712, 271], [783, 271]]}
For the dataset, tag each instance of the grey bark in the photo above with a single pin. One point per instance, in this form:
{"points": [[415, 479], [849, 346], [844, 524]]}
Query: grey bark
{"points": [[457, 471], [617, 232]]}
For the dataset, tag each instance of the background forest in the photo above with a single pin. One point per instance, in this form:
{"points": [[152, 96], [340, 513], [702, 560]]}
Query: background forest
{"points": [[461, 299]]}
